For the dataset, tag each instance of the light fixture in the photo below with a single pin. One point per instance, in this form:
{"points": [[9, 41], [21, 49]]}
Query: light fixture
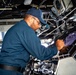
{"points": [[27, 2]]}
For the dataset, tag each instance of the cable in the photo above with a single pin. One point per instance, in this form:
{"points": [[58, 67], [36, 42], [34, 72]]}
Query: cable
{"points": [[6, 2], [55, 29], [42, 3], [5, 5], [68, 13], [42, 32]]}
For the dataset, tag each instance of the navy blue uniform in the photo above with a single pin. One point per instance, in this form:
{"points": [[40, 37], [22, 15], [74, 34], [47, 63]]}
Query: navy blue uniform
{"points": [[19, 43]]}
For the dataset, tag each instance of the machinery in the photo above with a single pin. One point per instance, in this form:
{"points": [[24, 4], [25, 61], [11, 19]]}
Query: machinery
{"points": [[60, 16]]}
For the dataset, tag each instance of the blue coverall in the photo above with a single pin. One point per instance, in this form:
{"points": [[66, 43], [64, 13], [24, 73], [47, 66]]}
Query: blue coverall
{"points": [[19, 43]]}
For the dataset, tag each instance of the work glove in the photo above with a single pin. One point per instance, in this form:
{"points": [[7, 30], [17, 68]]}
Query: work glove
{"points": [[70, 39], [62, 45]]}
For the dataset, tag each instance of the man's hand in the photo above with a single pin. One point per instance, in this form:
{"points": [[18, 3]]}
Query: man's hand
{"points": [[60, 44]]}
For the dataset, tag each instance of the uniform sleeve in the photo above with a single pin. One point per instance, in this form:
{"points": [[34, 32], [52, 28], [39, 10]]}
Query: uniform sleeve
{"points": [[33, 45]]}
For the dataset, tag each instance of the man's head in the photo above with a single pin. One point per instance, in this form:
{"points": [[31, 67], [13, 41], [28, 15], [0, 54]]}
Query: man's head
{"points": [[35, 18], [36, 13]]}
